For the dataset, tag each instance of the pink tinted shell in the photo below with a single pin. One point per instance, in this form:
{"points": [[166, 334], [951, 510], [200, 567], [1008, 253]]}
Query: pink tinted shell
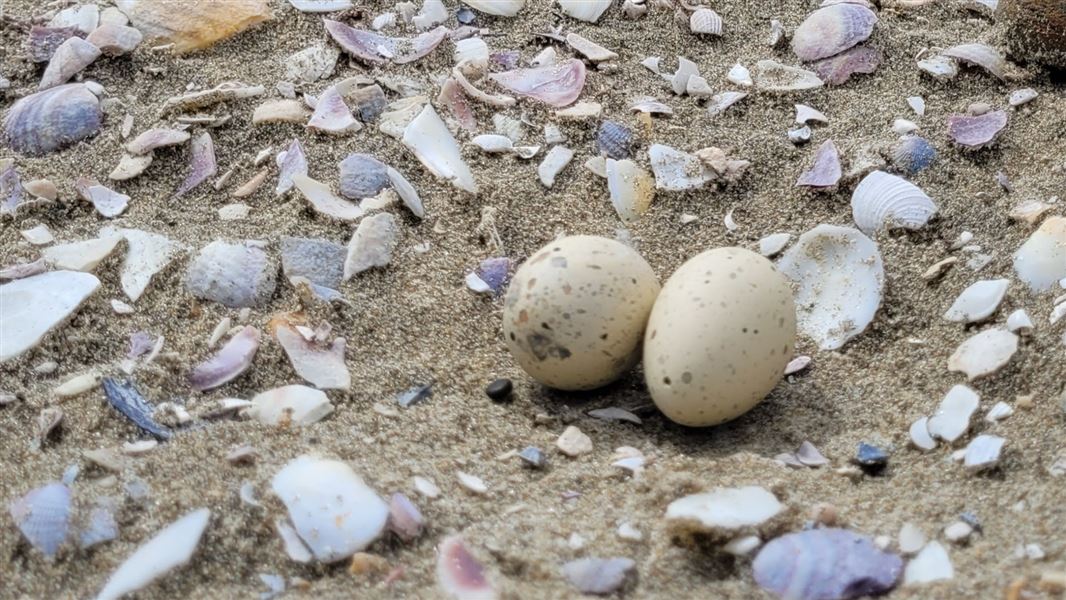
{"points": [[557, 85], [831, 30]]}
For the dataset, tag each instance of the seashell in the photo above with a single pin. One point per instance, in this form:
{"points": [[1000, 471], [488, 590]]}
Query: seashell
{"points": [[43, 517], [80, 256], [739, 75], [677, 171], [706, 21], [131, 166], [406, 192], [223, 92], [613, 140], [369, 101], [982, 55], [459, 575], [557, 85], [43, 41], [106, 201], [697, 87], [156, 138], [984, 353], [978, 301], [323, 201], [124, 397], [1022, 96], [84, 17], [294, 547], [837, 70], [194, 24], [589, 49], [33, 306], [493, 144], [723, 510], [554, 162], [800, 135], [939, 67], [930, 564], [52, 119], [499, 8], [375, 48], [202, 165], [510, 127], [319, 363], [473, 92], [405, 520], [147, 254], [332, 114], [38, 236], [983, 452], [12, 192], [634, 9], [281, 111], [320, 6], [472, 56], [68, 60], [631, 188], [1041, 261], [169, 549], [319, 261], [102, 526], [773, 244], [826, 170], [312, 63], [805, 113], [884, 200], [291, 162], [432, 13], [825, 563], [977, 132], [913, 154], [598, 575], [235, 275], [772, 76], [831, 30], [22, 271], [720, 102], [651, 106], [1019, 322], [290, 404], [228, 363], [429, 139], [333, 510], [451, 97], [584, 10], [686, 69], [115, 40], [371, 245], [580, 111], [362, 176], [839, 276]]}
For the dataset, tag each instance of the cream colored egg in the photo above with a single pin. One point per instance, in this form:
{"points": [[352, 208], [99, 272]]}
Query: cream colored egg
{"points": [[575, 312], [719, 337]]}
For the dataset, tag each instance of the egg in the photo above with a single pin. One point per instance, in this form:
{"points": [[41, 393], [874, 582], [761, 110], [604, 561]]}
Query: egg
{"points": [[719, 337], [575, 312]]}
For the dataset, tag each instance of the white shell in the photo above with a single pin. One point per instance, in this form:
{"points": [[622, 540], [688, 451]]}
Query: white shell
{"points": [[80, 256], [333, 510], [772, 76], [500, 8], [399, 115], [493, 143], [920, 436], [320, 6], [774, 243], [984, 353], [1022, 96], [585, 10], [1019, 322], [33, 306], [981, 55], [720, 102], [805, 114], [296, 404], [147, 254], [1001, 410], [917, 104], [939, 67], [983, 452], [884, 200], [697, 87], [169, 549], [840, 277], [371, 245], [676, 171], [433, 13], [739, 75], [705, 20], [685, 69], [554, 162], [430, 140], [631, 188], [978, 302], [1041, 261], [952, 418], [931, 564], [472, 56], [319, 363], [589, 49], [324, 201], [724, 509]]}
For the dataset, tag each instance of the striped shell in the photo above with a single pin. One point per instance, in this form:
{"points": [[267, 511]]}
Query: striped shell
{"points": [[614, 140], [705, 20], [831, 30], [55, 118], [884, 200], [912, 154], [43, 517]]}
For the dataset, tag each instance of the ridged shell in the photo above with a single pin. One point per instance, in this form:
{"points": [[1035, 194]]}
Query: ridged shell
{"points": [[43, 517], [825, 563], [885, 200], [613, 140], [705, 20], [839, 276], [831, 30], [826, 170], [837, 70], [977, 131], [362, 176], [500, 8], [982, 55], [55, 118], [193, 24], [585, 10], [913, 154]]}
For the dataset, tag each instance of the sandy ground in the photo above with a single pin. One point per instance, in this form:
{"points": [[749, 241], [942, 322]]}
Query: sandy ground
{"points": [[415, 321]]}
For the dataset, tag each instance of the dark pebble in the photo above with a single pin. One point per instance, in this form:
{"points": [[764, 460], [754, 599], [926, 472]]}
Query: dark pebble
{"points": [[871, 458], [499, 390], [533, 457]]}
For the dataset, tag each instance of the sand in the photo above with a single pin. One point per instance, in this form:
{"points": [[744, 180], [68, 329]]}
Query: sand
{"points": [[415, 322]]}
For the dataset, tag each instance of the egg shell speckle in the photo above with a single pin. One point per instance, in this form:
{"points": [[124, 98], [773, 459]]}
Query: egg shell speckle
{"points": [[719, 337], [575, 312]]}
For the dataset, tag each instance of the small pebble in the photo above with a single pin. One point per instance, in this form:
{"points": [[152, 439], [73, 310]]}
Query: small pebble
{"points": [[499, 390], [573, 442], [958, 532], [628, 532]]}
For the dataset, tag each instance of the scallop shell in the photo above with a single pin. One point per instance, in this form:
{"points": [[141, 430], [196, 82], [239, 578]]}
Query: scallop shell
{"points": [[885, 200], [825, 563], [839, 276], [43, 517], [613, 140], [55, 118], [982, 55], [913, 154], [772, 76], [977, 131], [831, 30], [585, 10], [430, 140], [826, 170], [705, 20], [193, 24], [557, 85], [362, 176], [837, 70], [69, 59], [1041, 261], [677, 171], [500, 8], [631, 187]]}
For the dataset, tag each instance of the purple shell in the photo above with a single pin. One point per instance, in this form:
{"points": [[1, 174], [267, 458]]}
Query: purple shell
{"points": [[557, 85], [52, 119], [826, 170], [979, 131], [140, 343], [459, 574], [43, 517], [293, 161], [831, 30], [202, 163], [362, 176], [505, 59], [405, 520], [319, 261], [367, 45], [229, 363], [598, 575], [101, 526], [613, 140], [11, 193], [43, 41], [825, 564], [836, 70], [124, 397], [495, 272]]}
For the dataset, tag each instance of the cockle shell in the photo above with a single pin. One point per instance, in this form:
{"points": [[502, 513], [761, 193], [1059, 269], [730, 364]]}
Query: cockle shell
{"points": [[885, 200], [193, 24], [585, 10], [631, 188], [228, 363], [913, 154], [977, 131], [52, 119], [69, 59], [429, 139], [375, 48], [613, 140], [839, 276], [43, 517], [837, 70], [1041, 261], [333, 510], [831, 30], [557, 85], [821, 564], [677, 171], [500, 8], [362, 176], [772, 76], [705, 20], [826, 170], [982, 55]]}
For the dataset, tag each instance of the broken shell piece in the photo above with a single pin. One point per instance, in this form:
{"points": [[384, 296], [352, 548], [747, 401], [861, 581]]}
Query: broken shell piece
{"points": [[913, 154], [319, 363], [939, 67], [977, 131], [193, 24], [106, 201], [723, 510], [1019, 322], [599, 576], [493, 144], [312, 63], [1022, 96], [831, 30], [589, 49], [613, 140], [147, 254], [678, 171], [69, 59], [223, 92], [332, 115], [459, 575], [156, 138], [706, 21], [825, 172], [557, 85], [805, 114], [981, 55], [295, 404], [236, 275], [952, 418], [371, 245], [840, 276], [281, 111], [375, 48], [433, 13], [929, 565], [432, 143], [885, 200], [229, 363], [362, 176], [130, 166], [41, 43], [920, 436], [554, 162], [720, 102], [978, 302], [52, 119], [983, 452], [114, 39], [320, 6], [686, 69], [772, 76], [84, 18], [584, 10], [323, 201], [984, 353], [291, 162], [499, 8], [43, 517], [837, 70], [38, 236], [202, 165], [472, 57], [773, 244], [580, 111], [1041, 261], [1001, 410], [631, 188]]}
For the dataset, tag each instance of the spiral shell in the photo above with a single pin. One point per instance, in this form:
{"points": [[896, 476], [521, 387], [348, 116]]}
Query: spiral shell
{"points": [[831, 30], [884, 200], [52, 119], [705, 20]]}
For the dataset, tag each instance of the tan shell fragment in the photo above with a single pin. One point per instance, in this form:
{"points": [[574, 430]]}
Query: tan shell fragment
{"points": [[193, 24]]}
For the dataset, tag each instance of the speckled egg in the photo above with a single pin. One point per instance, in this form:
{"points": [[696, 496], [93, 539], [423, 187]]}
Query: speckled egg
{"points": [[575, 312], [719, 337]]}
